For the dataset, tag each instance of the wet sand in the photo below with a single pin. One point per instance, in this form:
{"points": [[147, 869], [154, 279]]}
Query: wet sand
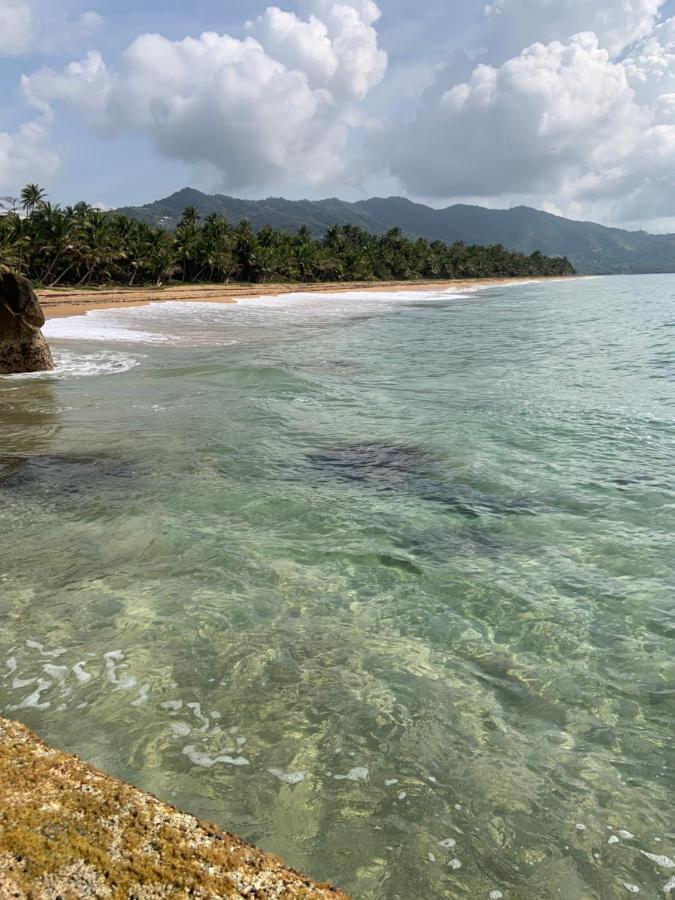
{"points": [[58, 302]]}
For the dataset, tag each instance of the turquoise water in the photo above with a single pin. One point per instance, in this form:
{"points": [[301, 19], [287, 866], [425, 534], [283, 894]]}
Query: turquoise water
{"points": [[381, 583]]}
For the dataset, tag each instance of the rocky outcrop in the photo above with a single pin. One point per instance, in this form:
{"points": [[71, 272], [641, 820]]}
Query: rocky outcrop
{"points": [[22, 345], [69, 831]]}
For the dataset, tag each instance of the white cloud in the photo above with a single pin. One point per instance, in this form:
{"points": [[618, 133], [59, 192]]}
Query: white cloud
{"points": [[27, 155], [278, 104], [544, 118], [561, 122], [651, 64], [338, 51], [16, 28], [28, 26], [618, 24]]}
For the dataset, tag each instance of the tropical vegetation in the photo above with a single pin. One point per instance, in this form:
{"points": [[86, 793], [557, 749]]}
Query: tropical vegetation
{"points": [[81, 245]]}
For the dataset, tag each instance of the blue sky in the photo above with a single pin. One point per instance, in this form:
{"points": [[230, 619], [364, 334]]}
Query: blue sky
{"points": [[567, 105]]}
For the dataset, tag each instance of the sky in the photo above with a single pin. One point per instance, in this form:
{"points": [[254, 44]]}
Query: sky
{"points": [[564, 105]]}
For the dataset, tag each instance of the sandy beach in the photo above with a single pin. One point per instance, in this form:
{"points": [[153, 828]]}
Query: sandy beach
{"points": [[59, 302]]}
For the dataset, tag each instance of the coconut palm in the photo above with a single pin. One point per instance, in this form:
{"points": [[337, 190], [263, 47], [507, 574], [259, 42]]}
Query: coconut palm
{"points": [[82, 245], [32, 196]]}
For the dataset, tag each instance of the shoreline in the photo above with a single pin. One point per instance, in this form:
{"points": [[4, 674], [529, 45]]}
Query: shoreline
{"points": [[66, 302]]}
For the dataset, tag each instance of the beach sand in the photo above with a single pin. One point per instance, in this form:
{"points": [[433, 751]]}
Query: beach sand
{"points": [[58, 302]]}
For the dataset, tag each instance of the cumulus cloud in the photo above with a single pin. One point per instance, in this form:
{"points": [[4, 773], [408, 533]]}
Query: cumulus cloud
{"points": [[29, 26], [515, 24], [587, 123], [547, 116], [27, 155], [338, 50], [651, 64], [278, 103]]}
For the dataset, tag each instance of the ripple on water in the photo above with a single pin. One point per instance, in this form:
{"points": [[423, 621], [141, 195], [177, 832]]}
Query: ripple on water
{"points": [[434, 548]]}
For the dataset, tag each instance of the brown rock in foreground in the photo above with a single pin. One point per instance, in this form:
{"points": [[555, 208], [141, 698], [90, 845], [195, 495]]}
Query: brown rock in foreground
{"points": [[68, 831], [22, 345]]}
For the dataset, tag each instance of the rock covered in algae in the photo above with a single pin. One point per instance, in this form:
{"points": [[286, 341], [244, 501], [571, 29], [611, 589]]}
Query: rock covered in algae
{"points": [[22, 344], [69, 831]]}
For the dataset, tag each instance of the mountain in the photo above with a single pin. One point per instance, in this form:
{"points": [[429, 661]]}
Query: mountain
{"points": [[593, 249]]}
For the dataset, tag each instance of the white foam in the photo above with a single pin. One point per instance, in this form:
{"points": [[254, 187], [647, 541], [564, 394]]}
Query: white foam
{"points": [[198, 322], [82, 676], [142, 698], [112, 658], [356, 774], [197, 710], [57, 672], [664, 861], [495, 895], [288, 777], [180, 729], [12, 664], [631, 888], [173, 705], [33, 700], [455, 864], [34, 645], [447, 843], [70, 364], [101, 325], [206, 762]]}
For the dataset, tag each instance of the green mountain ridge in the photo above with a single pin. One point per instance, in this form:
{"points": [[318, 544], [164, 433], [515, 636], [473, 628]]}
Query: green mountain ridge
{"points": [[593, 249]]}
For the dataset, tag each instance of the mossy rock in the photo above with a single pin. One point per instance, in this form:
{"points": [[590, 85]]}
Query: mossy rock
{"points": [[22, 345], [69, 831]]}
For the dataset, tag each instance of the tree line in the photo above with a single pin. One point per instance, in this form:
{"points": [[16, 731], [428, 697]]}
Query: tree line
{"points": [[81, 245]]}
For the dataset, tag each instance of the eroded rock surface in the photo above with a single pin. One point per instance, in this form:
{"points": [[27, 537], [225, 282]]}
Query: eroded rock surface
{"points": [[69, 831], [22, 344]]}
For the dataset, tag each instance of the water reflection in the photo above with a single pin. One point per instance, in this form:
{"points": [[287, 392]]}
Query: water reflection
{"points": [[30, 417]]}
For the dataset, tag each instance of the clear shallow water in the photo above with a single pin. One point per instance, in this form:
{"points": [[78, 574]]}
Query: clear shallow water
{"points": [[361, 578]]}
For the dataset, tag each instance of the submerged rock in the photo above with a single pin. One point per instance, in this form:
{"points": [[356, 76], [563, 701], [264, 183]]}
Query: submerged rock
{"points": [[386, 466], [22, 344], [62, 474], [417, 471], [68, 830]]}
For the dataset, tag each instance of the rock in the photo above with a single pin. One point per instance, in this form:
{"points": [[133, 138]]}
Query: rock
{"points": [[22, 345], [67, 830]]}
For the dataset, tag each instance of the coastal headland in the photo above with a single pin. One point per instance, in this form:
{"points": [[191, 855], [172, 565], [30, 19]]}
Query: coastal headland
{"points": [[67, 830], [59, 302]]}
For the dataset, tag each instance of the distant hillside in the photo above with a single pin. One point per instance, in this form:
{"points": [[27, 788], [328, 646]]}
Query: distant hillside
{"points": [[593, 249]]}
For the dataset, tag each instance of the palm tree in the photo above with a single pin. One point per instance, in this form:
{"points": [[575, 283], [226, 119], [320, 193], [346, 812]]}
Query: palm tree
{"points": [[53, 239], [32, 196], [79, 245]]}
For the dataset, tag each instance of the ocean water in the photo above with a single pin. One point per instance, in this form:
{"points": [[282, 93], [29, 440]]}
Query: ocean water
{"points": [[383, 583]]}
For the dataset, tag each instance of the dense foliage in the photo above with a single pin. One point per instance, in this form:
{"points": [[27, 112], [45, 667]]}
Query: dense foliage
{"points": [[81, 245], [592, 249]]}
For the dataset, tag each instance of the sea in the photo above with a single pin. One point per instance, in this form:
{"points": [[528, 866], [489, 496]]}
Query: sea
{"points": [[381, 582]]}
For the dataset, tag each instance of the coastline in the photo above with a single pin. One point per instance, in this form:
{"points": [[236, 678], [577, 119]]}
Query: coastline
{"points": [[64, 302]]}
